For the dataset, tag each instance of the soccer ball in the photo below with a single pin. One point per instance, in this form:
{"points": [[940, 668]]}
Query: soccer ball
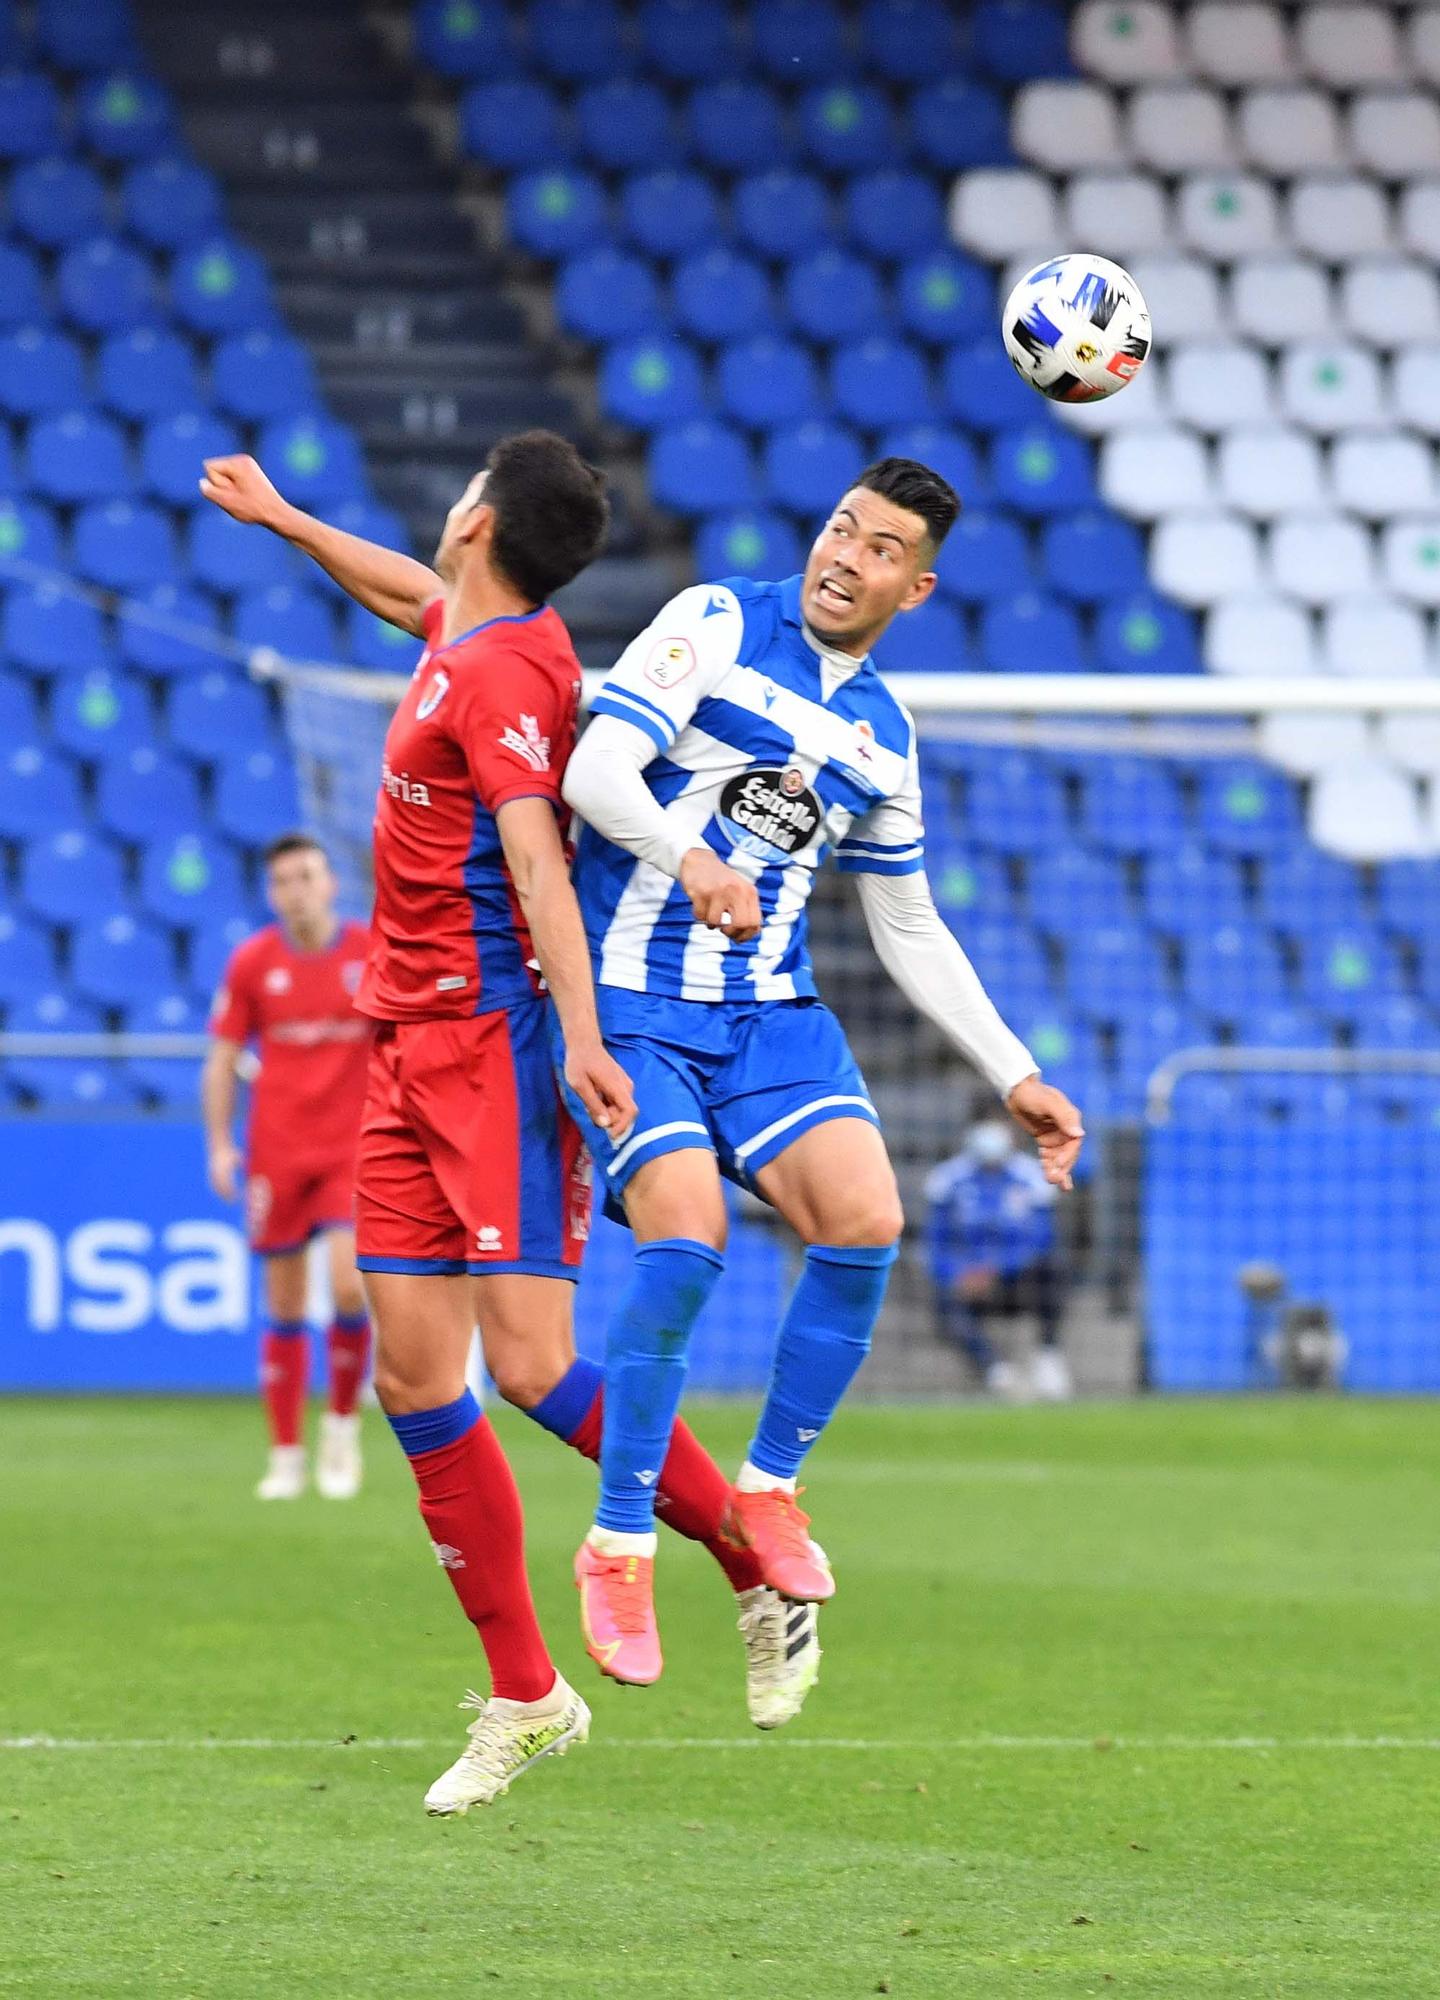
{"points": [[1077, 328]]}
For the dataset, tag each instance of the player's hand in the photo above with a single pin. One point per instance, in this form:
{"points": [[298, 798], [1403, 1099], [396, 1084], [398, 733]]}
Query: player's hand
{"points": [[1053, 1122], [721, 899], [602, 1087], [239, 486], [224, 1168], [977, 1283]]}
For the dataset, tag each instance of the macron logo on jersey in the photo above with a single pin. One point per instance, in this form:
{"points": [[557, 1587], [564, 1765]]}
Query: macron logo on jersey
{"points": [[527, 743]]}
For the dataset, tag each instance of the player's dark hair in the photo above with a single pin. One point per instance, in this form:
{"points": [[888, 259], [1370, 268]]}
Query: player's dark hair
{"points": [[292, 843], [906, 483], [551, 512]]}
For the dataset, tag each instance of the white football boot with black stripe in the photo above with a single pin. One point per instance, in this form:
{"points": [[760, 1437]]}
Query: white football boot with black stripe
{"points": [[507, 1739], [782, 1652]]}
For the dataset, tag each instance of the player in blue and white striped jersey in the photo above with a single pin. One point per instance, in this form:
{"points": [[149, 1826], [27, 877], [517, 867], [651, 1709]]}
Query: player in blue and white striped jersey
{"points": [[740, 739]]}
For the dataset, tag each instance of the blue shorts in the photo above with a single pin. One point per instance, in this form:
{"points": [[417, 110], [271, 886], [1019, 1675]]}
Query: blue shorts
{"points": [[742, 1079]]}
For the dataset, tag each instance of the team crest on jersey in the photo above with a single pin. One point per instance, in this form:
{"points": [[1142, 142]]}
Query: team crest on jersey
{"points": [[670, 661], [792, 782], [351, 973], [278, 980], [433, 696], [527, 743]]}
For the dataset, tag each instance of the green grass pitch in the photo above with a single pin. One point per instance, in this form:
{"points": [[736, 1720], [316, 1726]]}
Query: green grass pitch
{"points": [[1134, 1699]]}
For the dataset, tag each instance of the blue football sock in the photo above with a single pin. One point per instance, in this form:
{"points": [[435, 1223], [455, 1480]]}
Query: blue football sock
{"points": [[645, 1374], [824, 1337], [564, 1410]]}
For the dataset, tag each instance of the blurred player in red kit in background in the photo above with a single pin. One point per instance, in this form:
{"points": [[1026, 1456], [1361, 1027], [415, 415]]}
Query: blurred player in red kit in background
{"points": [[289, 992]]}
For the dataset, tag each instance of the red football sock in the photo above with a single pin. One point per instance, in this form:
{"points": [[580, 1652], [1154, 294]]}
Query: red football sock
{"points": [[348, 1352], [284, 1378], [471, 1506]]}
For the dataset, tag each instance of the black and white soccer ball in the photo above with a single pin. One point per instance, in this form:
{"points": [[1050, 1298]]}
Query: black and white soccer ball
{"points": [[1077, 328]]}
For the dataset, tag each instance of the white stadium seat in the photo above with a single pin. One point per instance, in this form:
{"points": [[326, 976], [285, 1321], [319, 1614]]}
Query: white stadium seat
{"points": [[1288, 131], [1001, 212], [1269, 472], [1335, 216], [1119, 215], [1179, 129], [1239, 44], [1219, 385], [1319, 557], [1395, 133], [1141, 407], [1423, 50], [1420, 218], [1305, 744], [1390, 301], [1060, 125], [1411, 739], [1183, 294], [1330, 386], [1259, 635], [1227, 215], [1134, 42], [1348, 45], [1379, 474], [1204, 558], [1276, 300], [1367, 813], [1372, 637], [1148, 473], [1410, 557], [1415, 388]]}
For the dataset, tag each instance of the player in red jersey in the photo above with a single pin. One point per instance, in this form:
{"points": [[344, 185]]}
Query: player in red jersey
{"points": [[289, 992]]}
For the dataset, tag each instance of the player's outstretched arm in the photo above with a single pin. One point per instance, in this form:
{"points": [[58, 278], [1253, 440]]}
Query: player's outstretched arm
{"points": [[394, 586], [218, 1090], [535, 857]]}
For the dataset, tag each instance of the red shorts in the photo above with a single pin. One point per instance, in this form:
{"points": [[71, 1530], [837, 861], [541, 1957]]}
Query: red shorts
{"points": [[468, 1159], [286, 1207]]}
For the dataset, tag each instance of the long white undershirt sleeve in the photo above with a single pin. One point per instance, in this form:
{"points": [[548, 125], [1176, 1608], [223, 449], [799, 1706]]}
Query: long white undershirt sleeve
{"points": [[926, 962], [605, 785]]}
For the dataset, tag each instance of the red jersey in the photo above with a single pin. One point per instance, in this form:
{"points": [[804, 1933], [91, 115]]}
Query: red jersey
{"points": [[488, 718], [299, 1008]]}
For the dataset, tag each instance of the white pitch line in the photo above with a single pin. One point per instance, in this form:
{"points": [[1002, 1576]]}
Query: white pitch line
{"points": [[888, 1746]]}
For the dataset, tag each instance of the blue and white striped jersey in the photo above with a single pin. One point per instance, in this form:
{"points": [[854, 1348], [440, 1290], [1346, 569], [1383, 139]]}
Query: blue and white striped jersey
{"points": [[767, 750]]}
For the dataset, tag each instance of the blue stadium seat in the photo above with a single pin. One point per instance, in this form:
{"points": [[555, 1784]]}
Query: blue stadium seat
{"points": [[978, 385], [123, 546], [149, 795], [1105, 961], [930, 639], [1092, 556], [22, 300], [103, 286], [374, 642], [72, 875], [169, 203], [720, 296], [970, 888], [765, 382], [781, 215], [800, 41], [173, 450], [19, 710], [1145, 1036], [316, 460], [1032, 634], [117, 962], [40, 371], [368, 519], [1247, 808], [1068, 1051], [1015, 804], [1018, 39], [259, 376], [212, 940], [1129, 805], [1042, 470], [1345, 971], [146, 373], [652, 382], [514, 124], [1012, 963], [1283, 1027], [1069, 889], [579, 41], [57, 200], [474, 39], [1303, 890], [688, 40], [55, 1011], [1144, 634], [957, 124], [228, 556], [833, 296], [72, 1083], [1398, 1023], [1233, 971], [735, 127], [894, 215], [170, 1085], [1408, 896], [218, 715], [91, 35], [289, 619], [216, 287], [28, 534], [77, 456], [556, 211], [808, 466], [625, 125], [48, 630], [944, 297], [906, 41], [124, 116], [166, 1013], [702, 467], [985, 556], [945, 451], [669, 213], [38, 791], [1186, 887], [878, 381], [156, 630], [255, 797], [184, 882], [847, 128], [748, 544], [30, 115], [606, 295], [100, 715], [28, 960]]}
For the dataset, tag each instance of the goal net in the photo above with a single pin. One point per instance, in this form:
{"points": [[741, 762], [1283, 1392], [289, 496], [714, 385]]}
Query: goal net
{"points": [[1209, 906]]}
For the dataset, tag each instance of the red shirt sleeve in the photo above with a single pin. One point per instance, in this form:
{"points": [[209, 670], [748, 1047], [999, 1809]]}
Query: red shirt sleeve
{"points": [[233, 1013], [431, 619], [514, 722]]}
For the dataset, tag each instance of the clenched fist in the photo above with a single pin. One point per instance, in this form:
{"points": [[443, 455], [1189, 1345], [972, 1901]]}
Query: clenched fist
{"points": [[239, 486]]}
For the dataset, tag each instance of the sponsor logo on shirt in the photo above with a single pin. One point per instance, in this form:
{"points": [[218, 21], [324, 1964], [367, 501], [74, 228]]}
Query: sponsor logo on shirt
{"points": [[670, 661], [433, 696], [774, 812], [527, 743], [278, 980], [400, 785], [310, 1034]]}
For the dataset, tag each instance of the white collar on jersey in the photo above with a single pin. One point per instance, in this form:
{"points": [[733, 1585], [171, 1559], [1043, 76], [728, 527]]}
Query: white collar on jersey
{"points": [[835, 667]]}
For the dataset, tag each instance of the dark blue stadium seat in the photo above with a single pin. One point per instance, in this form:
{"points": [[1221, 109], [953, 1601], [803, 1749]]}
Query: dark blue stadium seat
{"points": [[57, 200], [84, 34], [847, 128], [986, 556], [260, 376], [766, 382], [212, 940], [907, 41], [956, 124], [1345, 970], [366, 518], [1012, 963], [22, 299], [721, 296], [156, 630], [1129, 805], [316, 460], [48, 630], [255, 797], [1247, 808], [1042, 470], [800, 41], [808, 466], [669, 212], [625, 124], [117, 962], [556, 211], [54, 1011], [229, 557], [1018, 39], [702, 467], [579, 41], [833, 296], [124, 116], [183, 882], [1144, 634], [100, 715], [688, 40], [19, 710], [218, 715], [1015, 804], [1069, 889], [981, 389], [72, 1083], [944, 297], [69, 876], [747, 544], [735, 127], [374, 642], [216, 287], [652, 382], [146, 373], [783, 214], [28, 534], [1145, 1036], [28, 960], [945, 451], [123, 546], [170, 202], [40, 371], [930, 639], [169, 1084], [606, 295], [1092, 556], [1233, 971], [1104, 962], [148, 795], [1408, 896], [895, 215], [514, 124], [289, 619], [9, 475], [38, 791], [103, 286], [1398, 1023], [476, 39], [1301, 888], [1032, 634], [1186, 887], [174, 448], [78, 455], [969, 888], [30, 115], [878, 381]]}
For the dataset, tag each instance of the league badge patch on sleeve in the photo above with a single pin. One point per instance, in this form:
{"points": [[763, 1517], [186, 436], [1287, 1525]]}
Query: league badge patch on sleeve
{"points": [[669, 662]]}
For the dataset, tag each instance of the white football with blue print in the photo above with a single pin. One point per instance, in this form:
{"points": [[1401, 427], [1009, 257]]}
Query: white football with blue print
{"points": [[1077, 328]]}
